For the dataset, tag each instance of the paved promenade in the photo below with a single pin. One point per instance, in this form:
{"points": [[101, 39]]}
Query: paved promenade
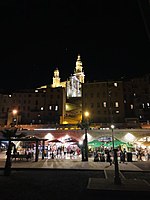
{"points": [[73, 179], [74, 163]]}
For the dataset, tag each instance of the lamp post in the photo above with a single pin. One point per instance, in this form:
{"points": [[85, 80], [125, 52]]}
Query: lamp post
{"points": [[112, 129], [117, 180], [15, 116], [85, 142]]}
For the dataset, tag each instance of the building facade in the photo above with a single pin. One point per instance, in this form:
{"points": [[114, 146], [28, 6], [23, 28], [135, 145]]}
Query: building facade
{"points": [[39, 106], [137, 98], [104, 101], [74, 83], [65, 102]]}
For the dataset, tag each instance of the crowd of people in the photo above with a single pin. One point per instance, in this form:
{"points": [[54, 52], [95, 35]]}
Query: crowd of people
{"points": [[61, 151], [106, 155], [101, 154]]}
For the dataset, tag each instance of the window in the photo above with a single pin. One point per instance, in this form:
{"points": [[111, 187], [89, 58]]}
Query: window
{"points": [[116, 104], [92, 105], [104, 104], [98, 105], [98, 94], [99, 112], [42, 108], [115, 84], [56, 108], [131, 106]]}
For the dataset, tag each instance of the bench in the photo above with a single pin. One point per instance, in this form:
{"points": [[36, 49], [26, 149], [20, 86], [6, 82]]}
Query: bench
{"points": [[20, 156]]}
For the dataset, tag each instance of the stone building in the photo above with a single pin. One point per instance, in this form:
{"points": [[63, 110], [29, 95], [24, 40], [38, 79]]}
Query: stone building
{"points": [[39, 106], [137, 98], [104, 101], [64, 102]]}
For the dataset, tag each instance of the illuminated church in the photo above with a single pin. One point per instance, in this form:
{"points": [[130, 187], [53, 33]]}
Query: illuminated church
{"points": [[74, 84]]}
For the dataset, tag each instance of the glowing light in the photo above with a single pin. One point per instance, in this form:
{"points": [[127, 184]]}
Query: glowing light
{"points": [[80, 142], [15, 112], [112, 126], [44, 129], [129, 137], [49, 136], [86, 114]]}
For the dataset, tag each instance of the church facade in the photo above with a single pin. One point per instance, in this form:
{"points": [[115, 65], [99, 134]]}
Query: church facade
{"points": [[74, 84]]}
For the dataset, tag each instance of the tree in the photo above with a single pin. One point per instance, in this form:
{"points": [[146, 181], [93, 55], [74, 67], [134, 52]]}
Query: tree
{"points": [[9, 134]]}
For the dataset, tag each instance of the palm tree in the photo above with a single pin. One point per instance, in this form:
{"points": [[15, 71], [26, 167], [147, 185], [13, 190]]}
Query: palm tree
{"points": [[9, 134]]}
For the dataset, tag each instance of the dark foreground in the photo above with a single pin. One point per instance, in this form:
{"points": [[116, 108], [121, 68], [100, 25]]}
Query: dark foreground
{"points": [[58, 184]]}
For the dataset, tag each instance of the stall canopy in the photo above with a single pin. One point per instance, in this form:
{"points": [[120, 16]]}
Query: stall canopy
{"points": [[146, 143], [72, 140], [54, 140], [117, 143], [95, 143]]}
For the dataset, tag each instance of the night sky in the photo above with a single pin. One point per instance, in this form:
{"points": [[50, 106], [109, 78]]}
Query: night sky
{"points": [[112, 38]]}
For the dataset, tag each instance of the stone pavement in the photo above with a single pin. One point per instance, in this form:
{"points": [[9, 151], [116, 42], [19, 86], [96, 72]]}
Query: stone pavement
{"points": [[94, 184], [126, 185], [69, 164]]}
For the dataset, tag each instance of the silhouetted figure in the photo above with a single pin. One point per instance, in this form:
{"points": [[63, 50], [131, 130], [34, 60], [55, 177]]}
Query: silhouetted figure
{"points": [[96, 158], [108, 159], [102, 157], [122, 156]]}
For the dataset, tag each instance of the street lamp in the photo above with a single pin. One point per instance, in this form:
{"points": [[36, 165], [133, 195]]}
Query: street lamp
{"points": [[85, 142], [112, 129], [117, 179], [15, 116]]}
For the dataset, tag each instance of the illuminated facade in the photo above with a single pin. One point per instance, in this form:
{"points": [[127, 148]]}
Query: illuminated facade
{"points": [[74, 84], [56, 80], [65, 102]]}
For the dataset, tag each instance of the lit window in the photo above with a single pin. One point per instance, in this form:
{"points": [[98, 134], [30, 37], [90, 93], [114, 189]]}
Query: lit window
{"points": [[56, 107], [105, 104], [117, 111], [116, 104], [36, 90], [50, 107], [131, 106], [143, 105], [42, 108], [115, 84]]}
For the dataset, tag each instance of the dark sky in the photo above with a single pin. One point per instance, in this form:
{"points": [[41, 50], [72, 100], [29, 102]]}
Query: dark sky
{"points": [[112, 38]]}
